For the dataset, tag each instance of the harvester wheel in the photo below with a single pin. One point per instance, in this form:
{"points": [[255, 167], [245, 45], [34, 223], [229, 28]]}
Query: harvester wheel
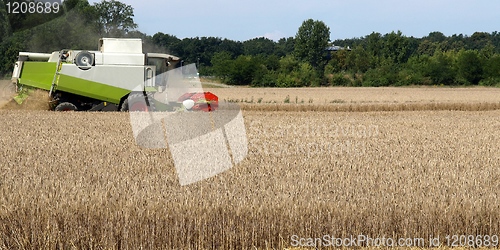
{"points": [[66, 106], [137, 102]]}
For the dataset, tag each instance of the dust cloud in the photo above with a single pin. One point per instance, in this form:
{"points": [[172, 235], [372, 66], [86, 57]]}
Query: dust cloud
{"points": [[7, 91]]}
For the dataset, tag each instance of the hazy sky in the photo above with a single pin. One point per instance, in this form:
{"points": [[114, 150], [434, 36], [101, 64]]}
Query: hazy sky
{"points": [[244, 19]]}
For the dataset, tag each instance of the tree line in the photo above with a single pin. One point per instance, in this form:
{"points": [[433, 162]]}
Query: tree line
{"points": [[394, 59], [390, 59]]}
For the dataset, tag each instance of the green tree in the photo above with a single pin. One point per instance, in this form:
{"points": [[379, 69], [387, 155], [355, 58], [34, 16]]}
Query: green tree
{"points": [[258, 46], [455, 43], [242, 70], [68, 5], [166, 41], [10, 48], [384, 75], [469, 67], [115, 18], [479, 40], [295, 73], [487, 51], [435, 37], [77, 29], [197, 50], [398, 47], [495, 40], [288, 64], [265, 70], [4, 23], [338, 62], [235, 48], [311, 42], [285, 46], [427, 47], [358, 60], [491, 71], [236, 71], [492, 67], [221, 62], [374, 45], [80, 11], [440, 68]]}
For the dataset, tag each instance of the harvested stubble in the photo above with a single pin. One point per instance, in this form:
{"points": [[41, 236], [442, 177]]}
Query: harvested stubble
{"points": [[460, 106], [77, 180], [363, 99], [361, 95]]}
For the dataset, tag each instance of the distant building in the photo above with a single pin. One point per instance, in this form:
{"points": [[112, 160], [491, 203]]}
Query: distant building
{"points": [[337, 48], [334, 48]]}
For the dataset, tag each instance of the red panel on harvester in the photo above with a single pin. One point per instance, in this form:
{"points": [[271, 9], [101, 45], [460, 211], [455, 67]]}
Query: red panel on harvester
{"points": [[205, 101]]}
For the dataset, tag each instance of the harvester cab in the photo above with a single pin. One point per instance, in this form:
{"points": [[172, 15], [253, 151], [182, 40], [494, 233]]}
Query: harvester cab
{"points": [[107, 79]]}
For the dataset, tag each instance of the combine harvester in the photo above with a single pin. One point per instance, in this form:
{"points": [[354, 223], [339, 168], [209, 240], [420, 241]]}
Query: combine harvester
{"points": [[110, 79]]}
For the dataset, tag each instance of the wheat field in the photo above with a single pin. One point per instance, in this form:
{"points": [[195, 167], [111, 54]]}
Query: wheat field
{"points": [[78, 181]]}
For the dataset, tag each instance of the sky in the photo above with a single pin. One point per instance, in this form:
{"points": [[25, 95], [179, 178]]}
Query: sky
{"points": [[241, 20]]}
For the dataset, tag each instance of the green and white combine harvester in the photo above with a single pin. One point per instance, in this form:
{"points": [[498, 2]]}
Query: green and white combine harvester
{"points": [[109, 79]]}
